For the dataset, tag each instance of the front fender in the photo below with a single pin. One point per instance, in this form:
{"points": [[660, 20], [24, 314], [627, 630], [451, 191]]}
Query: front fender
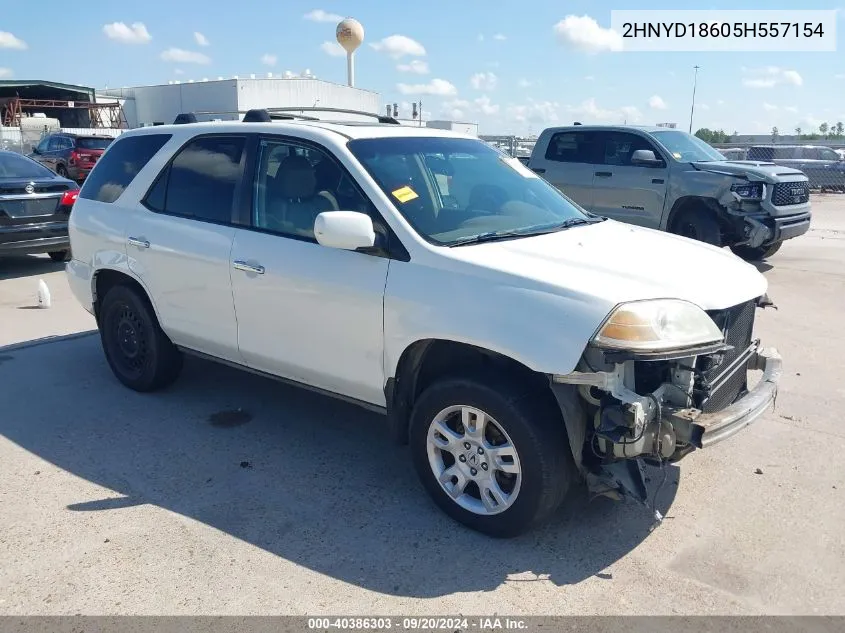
{"points": [[544, 331]]}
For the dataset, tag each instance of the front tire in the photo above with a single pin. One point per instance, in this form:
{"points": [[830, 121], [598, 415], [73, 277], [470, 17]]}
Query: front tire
{"points": [[491, 456], [760, 253], [137, 350], [698, 224]]}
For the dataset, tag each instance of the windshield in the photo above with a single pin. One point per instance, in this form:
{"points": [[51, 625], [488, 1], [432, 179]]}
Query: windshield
{"points": [[92, 142], [452, 190], [685, 147], [16, 166]]}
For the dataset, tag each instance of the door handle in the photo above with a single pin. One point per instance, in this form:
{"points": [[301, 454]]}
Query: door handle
{"points": [[604, 174], [134, 241], [657, 181], [538, 170], [247, 268]]}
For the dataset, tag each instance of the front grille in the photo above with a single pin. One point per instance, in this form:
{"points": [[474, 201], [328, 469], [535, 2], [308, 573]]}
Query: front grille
{"points": [[786, 193], [737, 323]]}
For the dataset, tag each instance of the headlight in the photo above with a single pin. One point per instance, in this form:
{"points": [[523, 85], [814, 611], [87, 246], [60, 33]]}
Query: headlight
{"points": [[749, 191], [657, 325]]}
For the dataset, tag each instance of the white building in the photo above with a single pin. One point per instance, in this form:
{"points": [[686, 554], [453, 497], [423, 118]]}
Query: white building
{"points": [[462, 127], [152, 105]]}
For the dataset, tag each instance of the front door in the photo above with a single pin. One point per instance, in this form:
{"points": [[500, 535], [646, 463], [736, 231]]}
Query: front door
{"points": [[178, 241], [307, 312], [626, 192], [568, 165]]}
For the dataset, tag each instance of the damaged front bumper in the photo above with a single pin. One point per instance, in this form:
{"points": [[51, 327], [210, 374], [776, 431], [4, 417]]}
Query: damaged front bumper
{"points": [[706, 429], [614, 427]]}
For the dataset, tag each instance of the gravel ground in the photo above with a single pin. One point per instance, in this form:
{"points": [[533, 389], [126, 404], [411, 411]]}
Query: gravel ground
{"points": [[118, 503]]}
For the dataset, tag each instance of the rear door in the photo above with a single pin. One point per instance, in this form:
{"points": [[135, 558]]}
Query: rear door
{"points": [[568, 164], [179, 238], [624, 191]]}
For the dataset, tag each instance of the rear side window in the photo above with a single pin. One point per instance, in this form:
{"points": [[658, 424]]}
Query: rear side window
{"points": [[201, 180], [573, 147], [89, 142], [119, 166]]}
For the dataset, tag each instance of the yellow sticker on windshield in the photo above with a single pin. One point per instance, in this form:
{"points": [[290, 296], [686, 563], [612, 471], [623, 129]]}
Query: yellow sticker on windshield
{"points": [[405, 194], [677, 155]]}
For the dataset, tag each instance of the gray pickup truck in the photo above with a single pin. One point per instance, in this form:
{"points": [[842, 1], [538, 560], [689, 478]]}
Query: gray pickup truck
{"points": [[666, 179]]}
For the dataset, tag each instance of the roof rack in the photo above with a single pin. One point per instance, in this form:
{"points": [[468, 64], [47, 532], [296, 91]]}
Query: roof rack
{"points": [[266, 115], [379, 117]]}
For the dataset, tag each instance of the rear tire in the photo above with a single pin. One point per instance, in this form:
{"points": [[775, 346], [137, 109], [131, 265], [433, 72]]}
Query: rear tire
{"points": [[61, 170], [60, 256], [760, 253], [137, 350], [698, 223], [523, 485]]}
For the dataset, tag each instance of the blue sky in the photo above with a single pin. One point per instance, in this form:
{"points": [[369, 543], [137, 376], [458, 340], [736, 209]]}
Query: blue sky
{"points": [[501, 63]]}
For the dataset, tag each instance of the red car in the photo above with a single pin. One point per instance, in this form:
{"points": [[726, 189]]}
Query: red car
{"points": [[70, 155]]}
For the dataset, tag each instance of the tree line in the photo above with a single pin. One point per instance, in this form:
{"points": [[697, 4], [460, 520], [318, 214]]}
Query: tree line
{"points": [[826, 131]]}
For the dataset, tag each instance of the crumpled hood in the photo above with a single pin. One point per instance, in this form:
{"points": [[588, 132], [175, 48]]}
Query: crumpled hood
{"points": [[615, 262], [756, 170]]}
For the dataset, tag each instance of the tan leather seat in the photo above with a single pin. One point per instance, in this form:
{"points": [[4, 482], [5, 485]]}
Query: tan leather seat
{"points": [[293, 202]]}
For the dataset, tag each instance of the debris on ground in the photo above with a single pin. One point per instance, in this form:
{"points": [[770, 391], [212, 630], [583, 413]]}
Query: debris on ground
{"points": [[758, 471], [246, 464]]}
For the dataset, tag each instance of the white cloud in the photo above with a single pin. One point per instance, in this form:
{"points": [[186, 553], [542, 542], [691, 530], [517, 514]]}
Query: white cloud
{"points": [[484, 81], [399, 46], [500, 37], [318, 15], [269, 60], [591, 111], [720, 103], [178, 71], [480, 37], [791, 109], [416, 66], [771, 76], [657, 103], [583, 33], [185, 57], [539, 112], [768, 107], [485, 106], [589, 78], [137, 33], [8, 40], [5, 72], [201, 39], [523, 83], [333, 48], [840, 76], [439, 87]]}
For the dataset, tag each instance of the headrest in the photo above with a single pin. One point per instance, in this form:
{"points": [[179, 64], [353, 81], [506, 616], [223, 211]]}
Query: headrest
{"points": [[295, 178]]}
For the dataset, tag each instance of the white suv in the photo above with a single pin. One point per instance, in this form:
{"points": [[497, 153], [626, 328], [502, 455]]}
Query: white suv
{"points": [[516, 342]]}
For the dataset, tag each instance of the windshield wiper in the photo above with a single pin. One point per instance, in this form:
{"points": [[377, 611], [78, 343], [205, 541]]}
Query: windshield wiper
{"points": [[542, 229]]}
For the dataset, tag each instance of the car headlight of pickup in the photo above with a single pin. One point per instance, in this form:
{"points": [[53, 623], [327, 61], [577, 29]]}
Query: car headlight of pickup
{"points": [[657, 325], [749, 191]]}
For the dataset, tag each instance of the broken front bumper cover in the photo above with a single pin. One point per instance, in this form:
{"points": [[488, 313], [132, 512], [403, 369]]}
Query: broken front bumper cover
{"points": [[706, 429]]}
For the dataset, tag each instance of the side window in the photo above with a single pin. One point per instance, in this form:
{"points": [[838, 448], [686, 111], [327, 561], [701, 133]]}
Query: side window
{"points": [[201, 180], [119, 165], [55, 144], [572, 147], [43, 145], [294, 183], [67, 143], [618, 147]]}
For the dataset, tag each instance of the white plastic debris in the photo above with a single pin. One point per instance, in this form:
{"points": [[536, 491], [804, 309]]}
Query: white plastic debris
{"points": [[44, 300]]}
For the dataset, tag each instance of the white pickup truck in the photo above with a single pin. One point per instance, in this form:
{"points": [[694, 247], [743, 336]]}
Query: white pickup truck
{"points": [[518, 344]]}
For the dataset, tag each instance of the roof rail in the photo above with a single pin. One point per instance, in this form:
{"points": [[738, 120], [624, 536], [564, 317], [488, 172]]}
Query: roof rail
{"points": [[185, 117], [380, 117]]}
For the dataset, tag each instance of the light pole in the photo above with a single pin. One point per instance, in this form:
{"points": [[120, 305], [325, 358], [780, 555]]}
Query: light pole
{"points": [[692, 107]]}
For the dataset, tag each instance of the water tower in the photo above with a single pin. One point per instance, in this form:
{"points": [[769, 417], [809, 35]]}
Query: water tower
{"points": [[350, 34]]}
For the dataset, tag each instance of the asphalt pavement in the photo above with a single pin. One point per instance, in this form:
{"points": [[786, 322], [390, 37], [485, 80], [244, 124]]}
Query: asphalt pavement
{"points": [[233, 494]]}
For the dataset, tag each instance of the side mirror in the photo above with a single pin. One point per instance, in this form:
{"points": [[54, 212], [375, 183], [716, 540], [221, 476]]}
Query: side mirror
{"points": [[346, 230], [645, 158]]}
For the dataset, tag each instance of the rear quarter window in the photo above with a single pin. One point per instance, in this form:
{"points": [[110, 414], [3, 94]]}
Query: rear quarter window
{"points": [[119, 165], [84, 142]]}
